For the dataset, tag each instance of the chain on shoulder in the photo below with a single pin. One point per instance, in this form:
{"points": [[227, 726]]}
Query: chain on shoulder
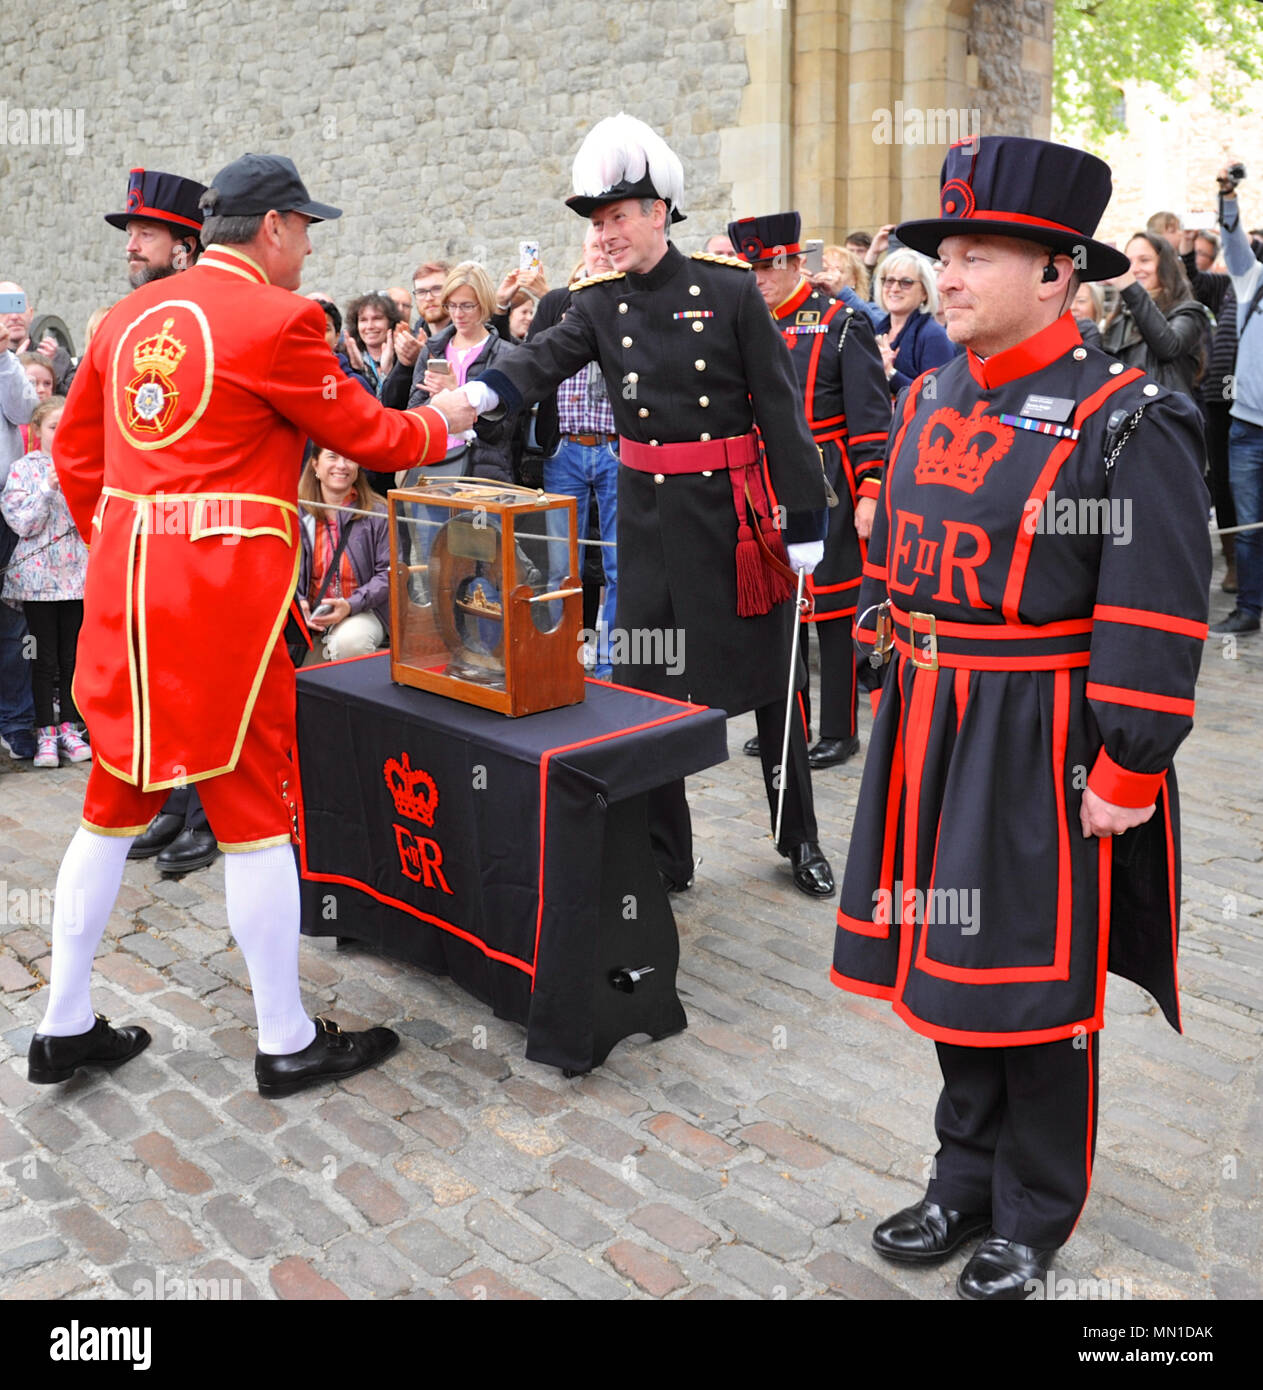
{"points": [[1127, 433]]}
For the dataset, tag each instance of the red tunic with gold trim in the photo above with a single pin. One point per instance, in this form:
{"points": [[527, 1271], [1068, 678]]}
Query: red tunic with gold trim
{"points": [[839, 373], [179, 454], [1047, 561]]}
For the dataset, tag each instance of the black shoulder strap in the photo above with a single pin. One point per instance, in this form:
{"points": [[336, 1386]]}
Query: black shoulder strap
{"points": [[1249, 313], [333, 564]]}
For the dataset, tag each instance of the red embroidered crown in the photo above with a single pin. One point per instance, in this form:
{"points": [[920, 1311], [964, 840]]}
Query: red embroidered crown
{"points": [[404, 784], [956, 451]]}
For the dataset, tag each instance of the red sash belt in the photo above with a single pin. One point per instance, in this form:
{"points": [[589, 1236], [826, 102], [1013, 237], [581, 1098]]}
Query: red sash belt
{"points": [[763, 574], [932, 642]]}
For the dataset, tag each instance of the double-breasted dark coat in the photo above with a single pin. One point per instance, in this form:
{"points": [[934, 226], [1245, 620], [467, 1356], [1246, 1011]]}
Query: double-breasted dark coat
{"points": [[689, 353]]}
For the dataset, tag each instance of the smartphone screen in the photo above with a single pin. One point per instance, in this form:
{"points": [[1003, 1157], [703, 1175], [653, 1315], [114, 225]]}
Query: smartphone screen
{"points": [[813, 262], [528, 255]]}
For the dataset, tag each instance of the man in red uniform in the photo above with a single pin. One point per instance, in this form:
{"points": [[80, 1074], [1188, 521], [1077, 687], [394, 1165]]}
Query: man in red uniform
{"points": [[179, 456], [839, 373], [1041, 554]]}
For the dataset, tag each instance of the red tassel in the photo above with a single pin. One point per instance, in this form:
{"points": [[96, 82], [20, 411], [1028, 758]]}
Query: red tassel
{"points": [[778, 586], [752, 594]]}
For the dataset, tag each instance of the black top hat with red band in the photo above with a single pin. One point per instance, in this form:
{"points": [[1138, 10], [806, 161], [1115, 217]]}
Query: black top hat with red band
{"points": [[158, 197], [762, 239], [1006, 185]]}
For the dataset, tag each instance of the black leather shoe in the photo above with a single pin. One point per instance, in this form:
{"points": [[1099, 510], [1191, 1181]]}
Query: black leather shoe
{"points": [[926, 1233], [162, 830], [829, 752], [1237, 621], [331, 1055], [191, 849], [1003, 1270], [50, 1059], [751, 747], [812, 872]]}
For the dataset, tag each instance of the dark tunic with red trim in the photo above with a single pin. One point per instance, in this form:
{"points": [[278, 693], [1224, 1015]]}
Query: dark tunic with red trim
{"points": [[839, 371], [1055, 603], [689, 353]]}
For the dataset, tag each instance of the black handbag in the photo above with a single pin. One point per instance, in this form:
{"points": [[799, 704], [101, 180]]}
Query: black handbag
{"points": [[298, 636]]}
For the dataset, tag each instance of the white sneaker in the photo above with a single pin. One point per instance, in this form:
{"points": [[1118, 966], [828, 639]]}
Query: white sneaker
{"points": [[46, 747], [72, 745]]}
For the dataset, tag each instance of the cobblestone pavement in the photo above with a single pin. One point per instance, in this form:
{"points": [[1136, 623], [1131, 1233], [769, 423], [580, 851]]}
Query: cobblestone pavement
{"points": [[747, 1157]]}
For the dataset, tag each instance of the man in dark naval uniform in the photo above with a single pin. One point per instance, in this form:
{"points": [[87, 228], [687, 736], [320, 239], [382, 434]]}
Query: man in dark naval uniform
{"points": [[1040, 559], [847, 401], [692, 363]]}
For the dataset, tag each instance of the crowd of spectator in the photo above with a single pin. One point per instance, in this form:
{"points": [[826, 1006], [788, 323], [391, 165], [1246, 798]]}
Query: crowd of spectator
{"points": [[1184, 312]]}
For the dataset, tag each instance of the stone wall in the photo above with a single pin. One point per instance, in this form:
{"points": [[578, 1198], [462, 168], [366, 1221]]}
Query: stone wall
{"points": [[440, 128], [450, 130]]}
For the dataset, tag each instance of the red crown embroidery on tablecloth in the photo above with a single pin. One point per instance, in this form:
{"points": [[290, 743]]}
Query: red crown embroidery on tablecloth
{"points": [[957, 451], [414, 792]]}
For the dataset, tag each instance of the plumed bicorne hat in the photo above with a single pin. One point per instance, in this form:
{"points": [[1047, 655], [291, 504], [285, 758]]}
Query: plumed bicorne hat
{"points": [[1007, 185], [622, 157], [761, 239], [158, 197]]}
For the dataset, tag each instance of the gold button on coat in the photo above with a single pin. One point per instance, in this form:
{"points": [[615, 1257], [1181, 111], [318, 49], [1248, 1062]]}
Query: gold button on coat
{"points": [[697, 325], [700, 365], [659, 478], [643, 412], [627, 342], [703, 401]]}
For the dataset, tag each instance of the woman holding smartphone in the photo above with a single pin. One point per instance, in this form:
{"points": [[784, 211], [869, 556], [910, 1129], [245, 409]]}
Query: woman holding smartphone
{"points": [[461, 352], [492, 449]]}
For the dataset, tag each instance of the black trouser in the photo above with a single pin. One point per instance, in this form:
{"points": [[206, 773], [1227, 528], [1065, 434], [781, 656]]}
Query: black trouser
{"points": [[184, 801], [1017, 1135], [54, 626], [837, 676], [671, 831], [1218, 420]]}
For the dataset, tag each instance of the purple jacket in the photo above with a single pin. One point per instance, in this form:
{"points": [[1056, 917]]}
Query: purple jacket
{"points": [[368, 548]]}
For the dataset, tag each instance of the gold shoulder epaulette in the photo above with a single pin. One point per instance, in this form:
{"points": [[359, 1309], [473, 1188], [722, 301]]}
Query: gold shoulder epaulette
{"points": [[596, 279], [721, 260]]}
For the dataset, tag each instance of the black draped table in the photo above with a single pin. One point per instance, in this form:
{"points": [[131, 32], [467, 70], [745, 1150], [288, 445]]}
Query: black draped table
{"points": [[510, 854]]}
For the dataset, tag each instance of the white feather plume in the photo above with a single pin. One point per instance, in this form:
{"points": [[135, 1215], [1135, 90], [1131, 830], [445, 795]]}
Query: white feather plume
{"points": [[623, 147]]}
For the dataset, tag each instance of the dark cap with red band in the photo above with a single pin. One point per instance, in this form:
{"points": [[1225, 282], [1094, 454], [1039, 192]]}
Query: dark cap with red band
{"points": [[157, 197], [762, 239], [1007, 185]]}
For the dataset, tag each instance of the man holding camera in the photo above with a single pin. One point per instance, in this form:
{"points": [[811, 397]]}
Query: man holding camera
{"points": [[1245, 435]]}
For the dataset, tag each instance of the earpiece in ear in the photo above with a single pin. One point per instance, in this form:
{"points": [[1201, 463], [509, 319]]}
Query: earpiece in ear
{"points": [[1050, 273]]}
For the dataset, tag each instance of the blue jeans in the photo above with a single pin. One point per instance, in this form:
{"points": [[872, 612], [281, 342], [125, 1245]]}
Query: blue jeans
{"points": [[17, 706], [1245, 477], [578, 471]]}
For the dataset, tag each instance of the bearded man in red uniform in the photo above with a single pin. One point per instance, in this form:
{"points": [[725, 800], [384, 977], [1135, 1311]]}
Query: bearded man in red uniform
{"points": [[179, 455], [1040, 552]]}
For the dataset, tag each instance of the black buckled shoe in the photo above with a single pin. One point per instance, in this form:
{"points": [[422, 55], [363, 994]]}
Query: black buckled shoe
{"points": [[1003, 1270], [751, 747], [51, 1059], [813, 873], [191, 849], [829, 752], [331, 1055], [926, 1233], [161, 831]]}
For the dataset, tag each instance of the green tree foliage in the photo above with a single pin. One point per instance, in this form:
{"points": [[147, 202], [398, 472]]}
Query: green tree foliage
{"points": [[1100, 44]]}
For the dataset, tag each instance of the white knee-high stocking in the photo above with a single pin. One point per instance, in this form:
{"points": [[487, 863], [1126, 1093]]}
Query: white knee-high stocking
{"points": [[87, 884], [261, 893]]}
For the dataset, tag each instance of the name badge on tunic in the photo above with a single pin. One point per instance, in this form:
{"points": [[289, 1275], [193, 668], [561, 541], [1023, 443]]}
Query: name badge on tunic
{"points": [[1058, 408]]}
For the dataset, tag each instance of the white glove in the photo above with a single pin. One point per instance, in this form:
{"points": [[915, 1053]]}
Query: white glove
{"points": [[480, 396], [805, 555]]}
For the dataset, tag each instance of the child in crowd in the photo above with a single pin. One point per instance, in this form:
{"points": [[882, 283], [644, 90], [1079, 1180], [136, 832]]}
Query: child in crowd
{"points": [[39, 372], [46, 577]]}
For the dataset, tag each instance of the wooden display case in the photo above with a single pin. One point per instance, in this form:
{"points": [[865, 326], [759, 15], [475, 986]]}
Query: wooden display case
{"points": [[485, 598]]}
